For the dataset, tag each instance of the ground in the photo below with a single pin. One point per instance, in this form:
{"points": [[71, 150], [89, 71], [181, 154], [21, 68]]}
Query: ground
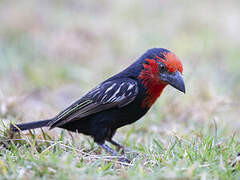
{"points": [[52, 52]]}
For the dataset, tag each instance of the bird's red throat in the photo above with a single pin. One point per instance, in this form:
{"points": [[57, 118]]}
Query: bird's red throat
{"points": [[152, 83]]}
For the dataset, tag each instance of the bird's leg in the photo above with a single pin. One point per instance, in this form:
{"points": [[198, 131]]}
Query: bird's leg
{"points": [[123, 149], [108, 149], [119, 146], [111, 151]]}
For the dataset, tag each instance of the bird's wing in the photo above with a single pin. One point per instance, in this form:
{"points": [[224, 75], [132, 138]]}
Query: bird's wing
{"points": [[109, 94]]}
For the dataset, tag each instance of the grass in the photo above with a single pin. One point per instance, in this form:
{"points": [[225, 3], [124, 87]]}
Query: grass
{"points": [[41, 156], [51, 53]]}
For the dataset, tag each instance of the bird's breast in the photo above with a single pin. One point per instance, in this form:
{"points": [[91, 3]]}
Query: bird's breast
{"points": [[153, 92]]}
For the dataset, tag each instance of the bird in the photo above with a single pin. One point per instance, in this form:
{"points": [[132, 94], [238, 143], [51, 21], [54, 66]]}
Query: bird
{"points": [[118, 101]]}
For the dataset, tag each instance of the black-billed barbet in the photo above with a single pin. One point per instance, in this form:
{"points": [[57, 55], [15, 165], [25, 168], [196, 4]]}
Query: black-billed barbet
{"points": [[120, 100]]}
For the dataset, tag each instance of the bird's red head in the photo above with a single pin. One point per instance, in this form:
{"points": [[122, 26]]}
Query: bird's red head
{"points": [[160, 68]]}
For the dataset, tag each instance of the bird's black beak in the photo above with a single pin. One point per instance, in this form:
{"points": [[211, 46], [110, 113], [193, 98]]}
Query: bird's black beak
{"points": [[175, 80]]}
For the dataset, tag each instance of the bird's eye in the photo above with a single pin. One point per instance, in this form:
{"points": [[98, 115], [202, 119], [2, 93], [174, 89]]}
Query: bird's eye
{"points": [[162, 67]]}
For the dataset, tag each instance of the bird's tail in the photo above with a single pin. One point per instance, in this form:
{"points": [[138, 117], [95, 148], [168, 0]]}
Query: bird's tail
{"points": [[30, 125]]}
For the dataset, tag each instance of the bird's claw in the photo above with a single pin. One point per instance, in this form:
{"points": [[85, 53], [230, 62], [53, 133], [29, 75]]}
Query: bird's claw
{"points": [[124, 160]]}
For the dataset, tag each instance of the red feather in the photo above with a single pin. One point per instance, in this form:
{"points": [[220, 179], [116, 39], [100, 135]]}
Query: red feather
{"points": [[150, 79], [150, 76]]}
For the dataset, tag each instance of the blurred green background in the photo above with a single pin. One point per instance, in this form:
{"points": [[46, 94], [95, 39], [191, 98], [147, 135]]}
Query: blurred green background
{"points": [[52, 52]]}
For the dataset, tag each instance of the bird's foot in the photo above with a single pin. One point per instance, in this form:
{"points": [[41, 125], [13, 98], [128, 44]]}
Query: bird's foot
{"points": [[124, 160], [120, 148], [112, 152]]}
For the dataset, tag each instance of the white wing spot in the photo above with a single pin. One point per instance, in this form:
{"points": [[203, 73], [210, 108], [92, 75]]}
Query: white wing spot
{"points": [[130, 86], [110, 87], [104, 97], [114, 95]]}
